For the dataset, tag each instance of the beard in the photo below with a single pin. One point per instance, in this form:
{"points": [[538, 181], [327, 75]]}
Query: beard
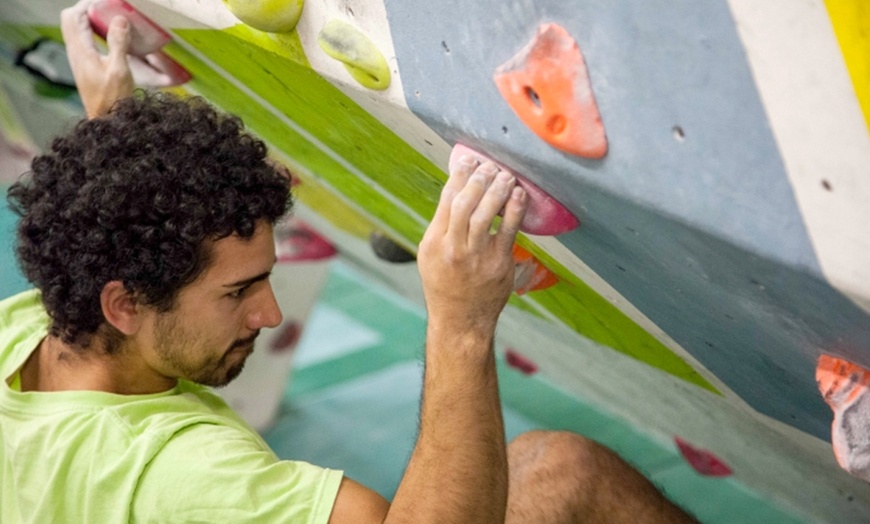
{"points": [[195, 360]]}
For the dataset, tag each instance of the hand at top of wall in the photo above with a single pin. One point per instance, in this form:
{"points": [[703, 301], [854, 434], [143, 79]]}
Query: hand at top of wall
{"points": [[468, 272], [104, 79]]}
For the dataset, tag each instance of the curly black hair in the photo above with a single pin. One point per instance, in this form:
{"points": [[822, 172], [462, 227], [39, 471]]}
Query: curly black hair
{"points": [[133, 196]]}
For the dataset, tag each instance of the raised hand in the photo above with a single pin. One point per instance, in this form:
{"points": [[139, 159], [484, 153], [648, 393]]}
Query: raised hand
{"points": [[467, 269]]}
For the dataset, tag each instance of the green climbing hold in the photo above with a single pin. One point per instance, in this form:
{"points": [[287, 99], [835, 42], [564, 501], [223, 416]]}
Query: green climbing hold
{"points": [[272, 16], [362, 59]]}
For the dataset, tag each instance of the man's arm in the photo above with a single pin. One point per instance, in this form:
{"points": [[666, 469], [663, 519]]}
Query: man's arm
{"points": [[458, 470]]}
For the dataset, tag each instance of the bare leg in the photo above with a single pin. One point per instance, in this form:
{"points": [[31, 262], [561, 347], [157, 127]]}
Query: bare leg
{"points": [[560, 477]]}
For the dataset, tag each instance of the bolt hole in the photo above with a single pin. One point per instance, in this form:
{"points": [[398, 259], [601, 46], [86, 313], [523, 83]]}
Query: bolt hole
{"points": [[504, 129], [827, 185], [679, 134], [533, 96], [446, 49], [557, 124], [417, 93]]}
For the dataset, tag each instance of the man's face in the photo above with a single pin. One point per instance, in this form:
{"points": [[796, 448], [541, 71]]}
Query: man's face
{"points": [[210, 332]]}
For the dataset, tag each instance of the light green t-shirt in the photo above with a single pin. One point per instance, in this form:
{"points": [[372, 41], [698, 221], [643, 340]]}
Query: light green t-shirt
{"points": [[177, 456]]}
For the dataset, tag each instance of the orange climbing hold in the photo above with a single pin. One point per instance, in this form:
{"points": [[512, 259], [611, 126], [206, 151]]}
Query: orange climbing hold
{"points": [[844, 386], [547, 85], [530, 274]]}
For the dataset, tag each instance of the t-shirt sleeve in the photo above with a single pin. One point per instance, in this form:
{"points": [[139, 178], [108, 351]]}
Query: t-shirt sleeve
{"points": [[213, 473]]}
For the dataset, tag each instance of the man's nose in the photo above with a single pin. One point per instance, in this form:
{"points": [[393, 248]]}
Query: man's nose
{"points": [[266, 312]]}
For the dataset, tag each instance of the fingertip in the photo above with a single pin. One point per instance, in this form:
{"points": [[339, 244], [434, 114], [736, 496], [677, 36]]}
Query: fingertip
{"points": [[519, 195], [467, 160], [119, 26], [463, 167], [118, 39], [119, 30], [515, 210]]}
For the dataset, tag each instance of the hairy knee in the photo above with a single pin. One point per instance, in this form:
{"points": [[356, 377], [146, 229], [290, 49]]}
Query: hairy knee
{"points": [[556, 454], [558, 446]]}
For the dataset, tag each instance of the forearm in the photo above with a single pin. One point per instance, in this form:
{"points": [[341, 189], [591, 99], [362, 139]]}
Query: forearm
{"points": [[458, 470]]}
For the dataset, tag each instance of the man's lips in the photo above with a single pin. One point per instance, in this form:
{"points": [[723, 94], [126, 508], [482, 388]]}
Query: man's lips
{"points": [[245, 345]]}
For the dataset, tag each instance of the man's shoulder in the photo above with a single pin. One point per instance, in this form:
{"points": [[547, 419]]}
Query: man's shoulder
{"points": [[187, 410], [21, 310], [22, 318]]}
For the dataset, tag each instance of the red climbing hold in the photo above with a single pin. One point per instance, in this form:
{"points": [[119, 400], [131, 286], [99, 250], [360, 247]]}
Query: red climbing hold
{"points": [[146, 37], [547, 85], [519, 362], [544, 215], [287, 337], [530, 274], [703, 461]]}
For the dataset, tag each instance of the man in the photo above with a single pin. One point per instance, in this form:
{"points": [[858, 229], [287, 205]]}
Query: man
{"points": [[147, 231]]}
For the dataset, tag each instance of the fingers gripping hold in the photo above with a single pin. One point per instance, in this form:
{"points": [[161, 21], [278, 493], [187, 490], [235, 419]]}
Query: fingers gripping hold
{"points": [[458, 179], [469, 198], [514, 212], [490, 205], [470, 201]]}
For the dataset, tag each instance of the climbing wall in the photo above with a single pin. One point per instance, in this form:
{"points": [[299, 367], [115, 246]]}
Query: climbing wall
{"points": [[700, 173]]}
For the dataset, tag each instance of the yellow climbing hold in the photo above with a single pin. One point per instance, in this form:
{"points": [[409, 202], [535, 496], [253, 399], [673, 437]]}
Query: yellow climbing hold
{"points": [[273, 16], [362, 59]]}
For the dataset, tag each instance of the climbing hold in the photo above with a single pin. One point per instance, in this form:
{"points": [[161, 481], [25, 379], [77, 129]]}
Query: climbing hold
{"points": [[844, 386], [297, 242], [519, 362], [286, 338], [703, 461], [547, 85], [362, 59], [146, 37], [165, 64], [544, 215], [388, 249], [530, 274], [272, 16]]}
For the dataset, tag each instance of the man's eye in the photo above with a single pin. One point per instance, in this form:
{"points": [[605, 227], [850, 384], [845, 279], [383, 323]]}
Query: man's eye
{"points": [[238, 293]]}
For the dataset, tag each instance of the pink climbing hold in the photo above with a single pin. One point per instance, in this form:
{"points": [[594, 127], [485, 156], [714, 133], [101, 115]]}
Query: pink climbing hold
{"points": [[163, 63], [544, 216], [547, 85], [703, 461], [300, 243], [519, 362]]}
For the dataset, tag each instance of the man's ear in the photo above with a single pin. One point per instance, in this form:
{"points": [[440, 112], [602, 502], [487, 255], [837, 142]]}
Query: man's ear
{"points": [[120, 308]]}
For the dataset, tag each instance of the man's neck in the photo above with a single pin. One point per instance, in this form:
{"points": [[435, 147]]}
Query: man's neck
{"points": [[57, 366]]}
